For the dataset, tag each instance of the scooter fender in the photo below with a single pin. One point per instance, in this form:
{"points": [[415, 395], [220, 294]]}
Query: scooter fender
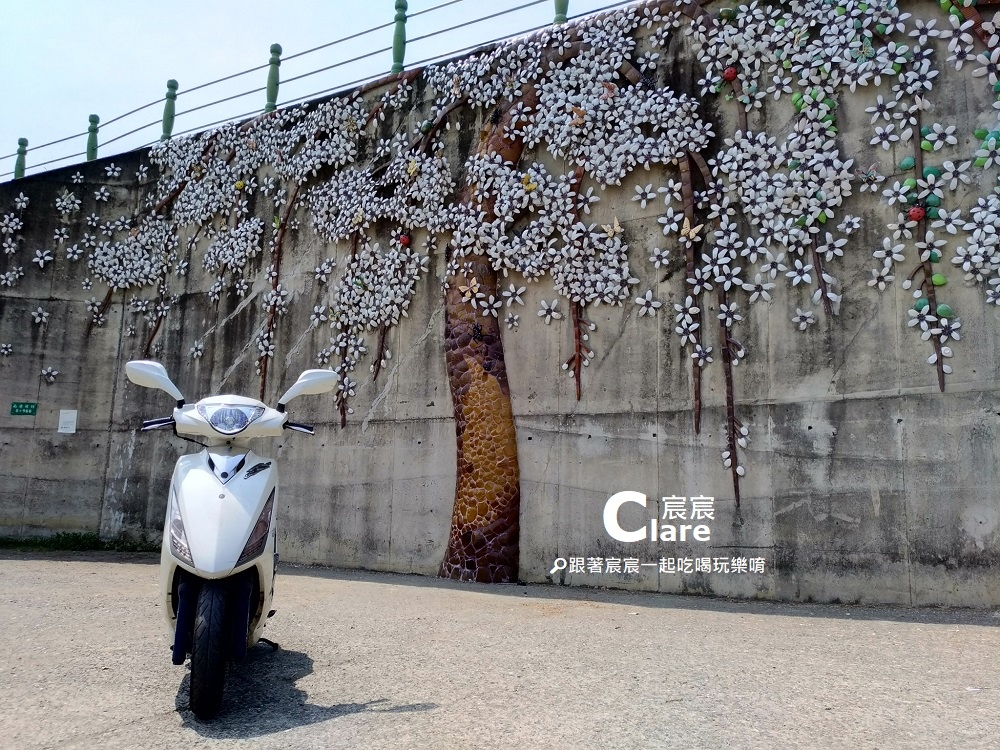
{"points": [[220, 513]]}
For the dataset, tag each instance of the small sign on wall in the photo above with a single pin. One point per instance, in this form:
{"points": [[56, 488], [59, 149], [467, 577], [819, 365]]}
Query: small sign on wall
{"points": [[23, 408], [67, 420]]}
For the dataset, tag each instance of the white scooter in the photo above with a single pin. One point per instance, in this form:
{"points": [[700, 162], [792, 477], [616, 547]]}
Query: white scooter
{"points": [[219, 552]]}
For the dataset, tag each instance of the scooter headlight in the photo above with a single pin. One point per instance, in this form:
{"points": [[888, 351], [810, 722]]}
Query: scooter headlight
{"points": [[178, 539], [258, 537], [229, 419]]}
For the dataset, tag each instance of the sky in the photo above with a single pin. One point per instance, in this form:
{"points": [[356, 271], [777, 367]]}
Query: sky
{"points": [[65, 59]]}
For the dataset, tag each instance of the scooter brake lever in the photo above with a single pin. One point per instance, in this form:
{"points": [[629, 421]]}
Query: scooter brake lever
{"points": [[156, 424]]}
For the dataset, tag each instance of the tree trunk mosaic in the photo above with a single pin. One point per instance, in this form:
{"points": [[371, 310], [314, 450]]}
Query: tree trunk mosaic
{"points": [[483, 541]]}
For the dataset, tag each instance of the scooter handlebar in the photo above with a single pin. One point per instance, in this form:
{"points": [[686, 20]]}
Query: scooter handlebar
{"points": [[306, 428], [156, 424]]}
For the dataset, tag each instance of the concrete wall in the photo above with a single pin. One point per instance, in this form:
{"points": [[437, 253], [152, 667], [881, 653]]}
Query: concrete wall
{"points": [[864, 482]]}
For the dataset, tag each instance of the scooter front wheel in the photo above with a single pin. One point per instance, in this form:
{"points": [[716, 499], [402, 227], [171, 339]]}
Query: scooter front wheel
{"points": [[209, 651]]}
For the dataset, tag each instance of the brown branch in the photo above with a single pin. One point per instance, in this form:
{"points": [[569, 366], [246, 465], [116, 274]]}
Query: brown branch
{"points": [[425, 139], [103, 308], [341, 398], [149, 342], [380, 351], [581, 352], [263, 361], [741, 110], [630, 72], [820, 271], [699, 160], [284, 227], [727, 366], [184, 183], [162, 292], [927, 284], [971, 14], [575, 362], [171, 197], [725, 339], [406, 77], [276, 262], [687, 191]]}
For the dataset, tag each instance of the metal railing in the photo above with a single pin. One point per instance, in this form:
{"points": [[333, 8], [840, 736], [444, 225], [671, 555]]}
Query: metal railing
{"points": [[169, 103]]}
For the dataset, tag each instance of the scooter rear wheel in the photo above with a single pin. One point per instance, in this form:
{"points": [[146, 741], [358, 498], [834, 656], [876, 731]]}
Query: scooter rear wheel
{"points": [[209, 651]]}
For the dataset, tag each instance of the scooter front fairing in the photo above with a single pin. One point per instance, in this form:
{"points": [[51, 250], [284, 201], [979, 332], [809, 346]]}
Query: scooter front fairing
{"points": [[218, 499]]}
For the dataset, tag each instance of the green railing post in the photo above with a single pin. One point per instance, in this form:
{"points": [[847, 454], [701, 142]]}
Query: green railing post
{"points": [[272, 79], [168, 110], [22, 149], [562, 7], [399, 38], [92, 138]]}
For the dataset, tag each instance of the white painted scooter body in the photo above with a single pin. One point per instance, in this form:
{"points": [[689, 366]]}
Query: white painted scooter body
{"points": [[219, 515], [222, 492]]}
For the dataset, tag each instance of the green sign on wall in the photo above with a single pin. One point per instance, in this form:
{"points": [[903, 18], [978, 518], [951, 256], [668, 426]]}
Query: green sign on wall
{"points": [[23, 408]]}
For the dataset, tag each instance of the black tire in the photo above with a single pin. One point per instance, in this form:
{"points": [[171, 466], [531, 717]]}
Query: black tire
{"points": [[209, 649]]}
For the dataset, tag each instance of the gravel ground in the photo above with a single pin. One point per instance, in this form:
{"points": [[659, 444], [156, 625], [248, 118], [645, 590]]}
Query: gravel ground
{"points": [[391, 661]]}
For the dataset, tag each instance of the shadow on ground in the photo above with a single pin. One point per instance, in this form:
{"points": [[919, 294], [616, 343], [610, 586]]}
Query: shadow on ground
{"points": [[261, 698]]}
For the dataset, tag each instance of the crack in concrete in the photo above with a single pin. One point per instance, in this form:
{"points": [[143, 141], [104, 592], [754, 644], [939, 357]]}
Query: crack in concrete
{"points": [[239, 308], [548, 456], [807, 502], [847, 347], [236, 363], [382, 396], [298, 343], [390, 380]]}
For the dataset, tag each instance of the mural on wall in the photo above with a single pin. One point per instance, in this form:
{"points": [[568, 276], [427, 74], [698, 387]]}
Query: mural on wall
{"points": [[745, 214]]}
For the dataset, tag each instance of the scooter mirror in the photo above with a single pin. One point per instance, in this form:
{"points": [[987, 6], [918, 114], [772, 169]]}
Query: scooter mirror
{"points": [[150, 374], [310, 383]]}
